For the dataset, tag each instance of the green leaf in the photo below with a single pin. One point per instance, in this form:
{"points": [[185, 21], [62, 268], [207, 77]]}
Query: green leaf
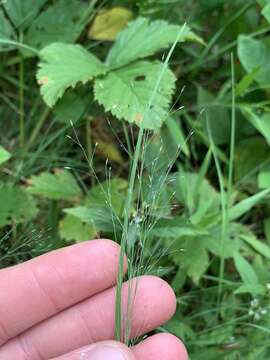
{"points": [[16, 206], [180, 329], [264, 179], [175, 228], [245, 205], [6, 30], [261, 121], [266, 12], [218, 336], [199, 204], [254, 289], [250, 154], [218, 117], [245, 271], [22, 12], [4, 155], [63, 66], [143, 38], [59, 22], [133, 87], [100, 218], [226, 249], [254, 54], [195, 258], [58, 186], [111, 194], [72, 228], [109, 22], [267, 229], [248, 79], [257, 245], [177, 135], [70, 108]]}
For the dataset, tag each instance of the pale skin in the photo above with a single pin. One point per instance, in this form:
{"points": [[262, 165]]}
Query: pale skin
{"points": [[61, 306]]}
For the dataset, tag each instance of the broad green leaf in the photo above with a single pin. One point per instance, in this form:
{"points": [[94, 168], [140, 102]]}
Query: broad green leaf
{"points": [[58, 186], [143, 38], [175, 228], [59, 22], [194, 258], [261, 121], [177, 134], [267, 229], [133, 88], [217, 336], [16, 206], [264, 179], [214, 242], [250, 154], [243, 85], [63, 66], [254, 54], [179, 328], [4, 155], [108, 193], [266, 12], [245, 270], [109, 22], [254, 289], [245, 205], [6, 30], [217, 115], [22, 12], [70, 108], [72, 228], [198, 203], [100, 218], [258, 245]]}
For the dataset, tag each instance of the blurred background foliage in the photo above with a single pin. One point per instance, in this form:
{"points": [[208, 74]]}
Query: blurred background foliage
{"points": [[211, 238]]}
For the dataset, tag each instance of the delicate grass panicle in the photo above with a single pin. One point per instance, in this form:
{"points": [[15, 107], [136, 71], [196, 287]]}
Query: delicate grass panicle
{"points": [[138, 219]]}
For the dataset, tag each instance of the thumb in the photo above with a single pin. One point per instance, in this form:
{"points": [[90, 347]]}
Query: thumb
{"points": [[104, 350]]}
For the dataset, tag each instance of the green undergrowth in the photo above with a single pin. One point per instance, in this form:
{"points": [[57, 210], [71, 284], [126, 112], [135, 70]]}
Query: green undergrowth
{"points": [[145, 123]]}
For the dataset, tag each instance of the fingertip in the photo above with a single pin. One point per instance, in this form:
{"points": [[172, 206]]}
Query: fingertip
{"points": [[163, 346], [112, 350], [109, 247], [161, 290]]}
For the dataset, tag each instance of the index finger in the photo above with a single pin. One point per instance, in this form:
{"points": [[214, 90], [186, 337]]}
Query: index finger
{"points": [[38, 289]]}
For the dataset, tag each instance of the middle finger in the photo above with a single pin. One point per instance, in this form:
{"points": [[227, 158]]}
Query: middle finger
{"points": [[93, 320]]}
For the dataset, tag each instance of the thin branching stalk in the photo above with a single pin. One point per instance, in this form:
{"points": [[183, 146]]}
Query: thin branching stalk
{"points": [[230, 180], [21, 98], [128, 205]]}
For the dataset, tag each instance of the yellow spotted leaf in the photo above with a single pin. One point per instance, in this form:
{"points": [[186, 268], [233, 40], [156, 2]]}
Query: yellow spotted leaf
{"points": [[108, 23]]}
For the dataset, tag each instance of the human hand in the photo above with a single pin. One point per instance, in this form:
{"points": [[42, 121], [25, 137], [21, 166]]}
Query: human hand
{"points": [[54, 306]]}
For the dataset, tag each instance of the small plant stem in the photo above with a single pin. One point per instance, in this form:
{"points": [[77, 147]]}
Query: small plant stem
{"points": [[19, 45], [89, 146], [129, 147], [21, 98], [229, 185], [38, 126], [118, 312]]}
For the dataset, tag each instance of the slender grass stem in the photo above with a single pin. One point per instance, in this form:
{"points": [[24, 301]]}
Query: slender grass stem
{"points": [[118, 317], [21, 99], [38, 126], [223, 197], [230, 182], [19, 45]]}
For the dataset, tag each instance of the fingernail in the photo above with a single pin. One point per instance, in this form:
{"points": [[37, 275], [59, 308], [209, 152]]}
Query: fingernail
{"points": [[103, 352]]}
